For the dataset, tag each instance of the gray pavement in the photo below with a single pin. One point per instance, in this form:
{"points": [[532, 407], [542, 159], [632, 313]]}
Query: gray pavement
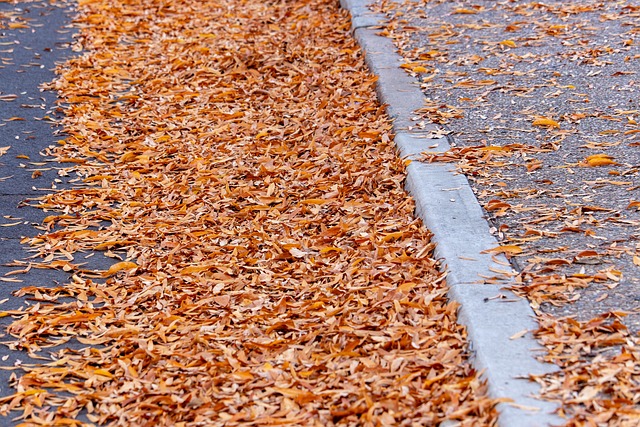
{"points": [[506, 65], [33, 37]]}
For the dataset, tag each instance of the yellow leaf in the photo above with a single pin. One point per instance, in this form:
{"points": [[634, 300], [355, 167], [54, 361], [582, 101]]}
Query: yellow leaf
{"points": [[406, 287], [98, 178], [634, 204], [124, 265], [494, 148], [419, 69], [128, 157], [103, 373], [508, 43], [330, 249], [315, 201], [299, 395], [195, 269], [243, 375], [112, 243], [636, 260], [506, 249], [600, 160], [546, 122], [392, 236], [464, 12], [34, 391], [16, 25]]}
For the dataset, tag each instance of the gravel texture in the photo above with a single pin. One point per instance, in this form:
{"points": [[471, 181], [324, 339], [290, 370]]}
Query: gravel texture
{"points": [[556, 83]]}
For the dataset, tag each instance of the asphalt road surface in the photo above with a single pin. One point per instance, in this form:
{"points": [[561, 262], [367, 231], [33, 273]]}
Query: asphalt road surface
{"points": [[34, 36], [492, 70]]}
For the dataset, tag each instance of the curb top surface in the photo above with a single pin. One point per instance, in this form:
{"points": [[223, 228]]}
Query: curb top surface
{"points": [[446, 204]]}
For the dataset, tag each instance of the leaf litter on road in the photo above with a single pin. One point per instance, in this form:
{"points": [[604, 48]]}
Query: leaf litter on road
{"points": [[232, 158], [540, 100]]}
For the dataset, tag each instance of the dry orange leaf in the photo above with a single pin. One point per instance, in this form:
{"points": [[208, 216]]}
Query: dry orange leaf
{"points": [[98, 178], [111, 244], [634, 204], [508, 43], [505, 249], [546, 122], [120, 266], [195, 269], [600, 160], [103, 373], [392, 236], [17, 25], [464, 12], [315, 201], [330, 249]]}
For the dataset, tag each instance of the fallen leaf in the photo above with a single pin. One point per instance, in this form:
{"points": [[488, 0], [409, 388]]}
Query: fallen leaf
{"points": [[117, 267], [546, 122], [518, 335], [634, 204], [505, 249], [600, 160]]}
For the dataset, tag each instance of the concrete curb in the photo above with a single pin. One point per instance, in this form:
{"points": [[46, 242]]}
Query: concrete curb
{"points": [[448, 207]]}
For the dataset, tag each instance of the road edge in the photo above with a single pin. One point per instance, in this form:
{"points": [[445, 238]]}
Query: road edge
{"points": [[496, 320]]}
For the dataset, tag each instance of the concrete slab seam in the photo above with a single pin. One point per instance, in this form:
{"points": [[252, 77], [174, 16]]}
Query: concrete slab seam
{"points": [[448, 207]]}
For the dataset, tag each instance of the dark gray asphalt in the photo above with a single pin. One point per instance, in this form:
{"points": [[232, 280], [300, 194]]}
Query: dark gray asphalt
{"points": [[496, 67], [28, 57]]}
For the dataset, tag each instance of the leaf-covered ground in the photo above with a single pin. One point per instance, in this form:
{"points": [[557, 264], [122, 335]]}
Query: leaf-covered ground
{"points": [[541, 101], [231, 158]]}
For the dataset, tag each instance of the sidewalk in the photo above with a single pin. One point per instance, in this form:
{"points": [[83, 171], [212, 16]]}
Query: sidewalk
{"points": [[232, 162], [538, 108]]}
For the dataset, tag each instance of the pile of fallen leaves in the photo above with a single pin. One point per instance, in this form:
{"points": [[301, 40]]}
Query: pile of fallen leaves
{"points": [[513, 81], [599, 378], [231, 158]]}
